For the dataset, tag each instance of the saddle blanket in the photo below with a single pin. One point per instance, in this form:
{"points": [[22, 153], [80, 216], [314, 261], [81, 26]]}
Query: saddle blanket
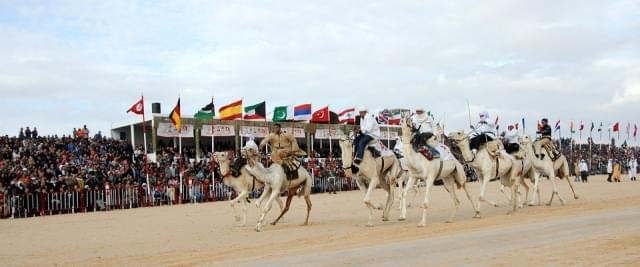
{"points": [[384, 150], [445, 153]]}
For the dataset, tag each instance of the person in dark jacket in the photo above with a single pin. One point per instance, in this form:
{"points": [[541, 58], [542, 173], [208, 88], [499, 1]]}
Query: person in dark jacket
{"points": [[545, 140]]}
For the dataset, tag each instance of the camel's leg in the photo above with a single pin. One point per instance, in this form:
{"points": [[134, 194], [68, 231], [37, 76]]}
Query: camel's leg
{"points": [[575, 196], [240, 198], [307, 199], [290, 194], [504, 193], [388, 205], [466, 191], [450, 186], [266, 209], [536, 190], [526, 194], [367, 199], [403, 199], [425, 204], [265, 192], [481, 199]]}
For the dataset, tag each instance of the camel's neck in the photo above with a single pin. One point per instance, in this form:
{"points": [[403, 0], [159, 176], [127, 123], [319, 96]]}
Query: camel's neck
{"points": [[259, 172], [530, 153], [467, 154]]}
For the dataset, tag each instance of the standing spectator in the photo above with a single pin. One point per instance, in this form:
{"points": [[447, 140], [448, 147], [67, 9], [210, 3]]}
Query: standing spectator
{"points": [[633, 168], [27, 133], [584, 170], [34, 133], [617, 171], [609, 170], [577, 170], [21, 134], [75, 133]]}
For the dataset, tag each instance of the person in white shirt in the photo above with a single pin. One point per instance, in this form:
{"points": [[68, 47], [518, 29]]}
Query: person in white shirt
{"points": [[369, 130], [633, 168], [610, 169], [511, 137], [584, 170], [424, 132], [483, 132]]}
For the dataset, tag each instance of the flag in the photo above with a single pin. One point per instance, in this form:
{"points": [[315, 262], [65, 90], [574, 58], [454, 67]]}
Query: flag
{"points": [[592, 127], [600, 128], [628, 129], [280, 113], [175, 116], [635, 130], [383, 116], [206, 113], [558, 125], [138, 107], [523, 126], [496, 123], [334, 118], [231, 111], [256, 112], [321, 116], [571, 128], [616, 127], [302, 112], [581, 126], [395, 118], [347, 116], [517, 125]]}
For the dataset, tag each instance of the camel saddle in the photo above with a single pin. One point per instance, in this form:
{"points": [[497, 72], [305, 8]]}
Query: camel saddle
{"points": [[237, 165], [290, 165], [426, 152]]}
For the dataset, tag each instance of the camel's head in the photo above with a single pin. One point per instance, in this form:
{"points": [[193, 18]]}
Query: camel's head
{"points": [[223, 161], [457, 137], [525, 140]]}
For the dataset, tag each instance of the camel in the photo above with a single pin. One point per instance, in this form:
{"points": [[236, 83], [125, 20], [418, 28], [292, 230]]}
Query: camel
{"points": [[276, 183], [553, 169], [401, 182], [529, 172], [243, 185], [371, 173], [485, 165], [450, 171]]}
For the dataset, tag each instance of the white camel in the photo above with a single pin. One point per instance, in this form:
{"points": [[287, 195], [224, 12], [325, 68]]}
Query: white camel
{"points": [[553, 169], [488, 167], [383, 171], [276, 183], [399, 189], [451, 172], [244, 184]]}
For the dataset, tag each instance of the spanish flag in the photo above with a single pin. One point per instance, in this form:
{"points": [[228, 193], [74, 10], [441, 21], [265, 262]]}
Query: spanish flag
{"points": [[175, 116], [231, 111]]}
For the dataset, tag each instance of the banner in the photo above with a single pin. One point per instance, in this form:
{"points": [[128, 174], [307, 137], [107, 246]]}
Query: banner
{"points": [[336, 134], [220, 130], [168, 130], [299, 132], [255, 131]]}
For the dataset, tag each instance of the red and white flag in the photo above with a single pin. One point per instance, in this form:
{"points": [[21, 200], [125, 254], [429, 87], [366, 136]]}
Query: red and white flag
{"points": [[347, 116], [138, 107], [321, 116]]}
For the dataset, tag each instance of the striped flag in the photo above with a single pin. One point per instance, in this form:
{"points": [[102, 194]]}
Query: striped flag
{"points": [[175, 116], [302, 112], [231, 111], [256, 112], [347, 116]]}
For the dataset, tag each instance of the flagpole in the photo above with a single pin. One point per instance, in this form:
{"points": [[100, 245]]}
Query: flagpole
{"points": [[144, 138]]}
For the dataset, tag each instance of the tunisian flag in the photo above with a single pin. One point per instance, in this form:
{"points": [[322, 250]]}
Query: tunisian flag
{"points": [[321, 116], [616, 127], [138, 107]]}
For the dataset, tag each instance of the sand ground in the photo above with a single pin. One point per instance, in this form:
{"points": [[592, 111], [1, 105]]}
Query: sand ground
{"points": [[600, 228]]}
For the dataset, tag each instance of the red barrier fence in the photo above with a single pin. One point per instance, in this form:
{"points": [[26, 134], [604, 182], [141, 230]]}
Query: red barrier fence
{"points": [[130, 197]]}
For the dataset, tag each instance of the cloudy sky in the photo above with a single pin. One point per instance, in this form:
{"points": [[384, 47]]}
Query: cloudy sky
{"points": [[68, 63]]}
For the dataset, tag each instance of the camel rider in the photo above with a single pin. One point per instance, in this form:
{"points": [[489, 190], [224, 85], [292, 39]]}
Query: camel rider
{"points": [[424, 132], [369, 131], [283, 145], [482, 133], [545, 139], [511, 137]]}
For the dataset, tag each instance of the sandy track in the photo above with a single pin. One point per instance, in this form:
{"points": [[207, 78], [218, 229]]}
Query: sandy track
{"points": [[598, 228]]}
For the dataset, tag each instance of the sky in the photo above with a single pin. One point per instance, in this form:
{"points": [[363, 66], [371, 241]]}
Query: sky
{"points": [[64, 64]]}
